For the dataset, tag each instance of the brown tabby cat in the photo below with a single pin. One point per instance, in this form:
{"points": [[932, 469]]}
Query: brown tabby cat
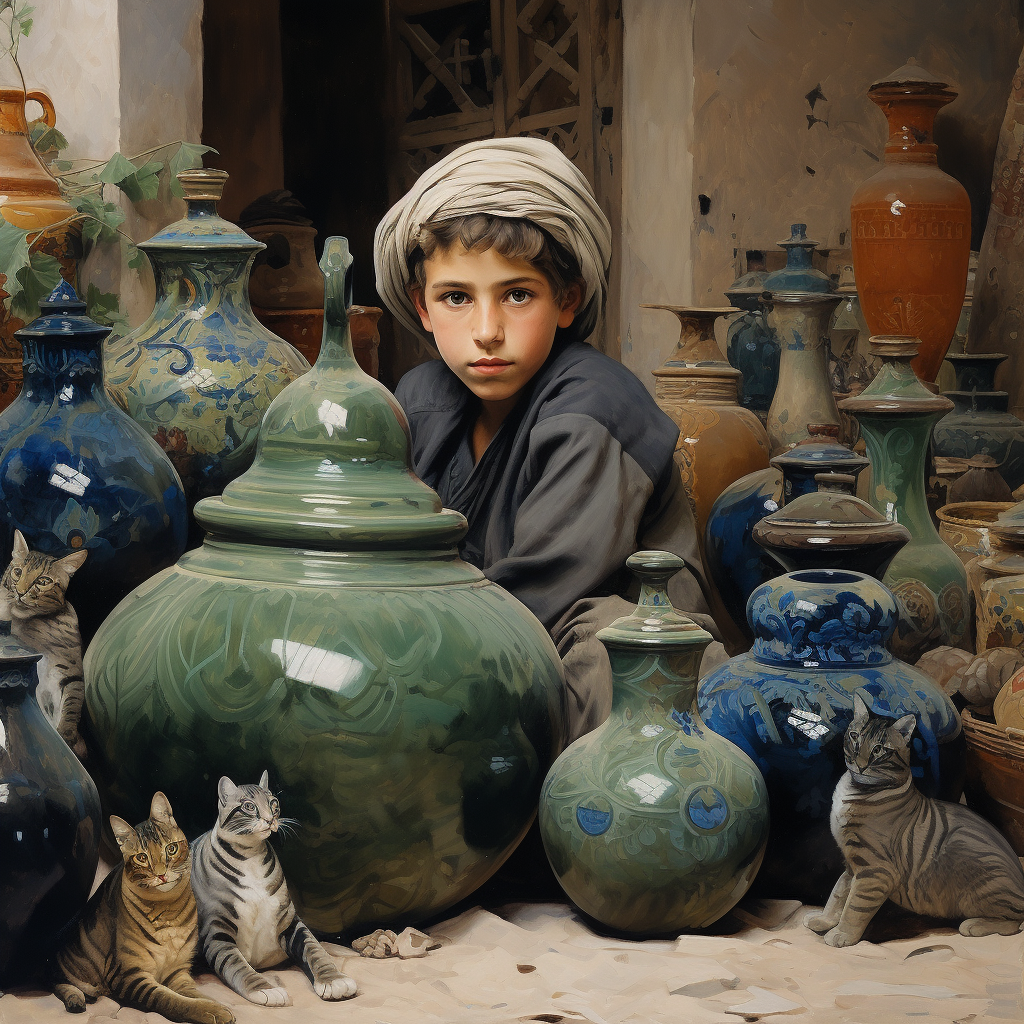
{"points": [[931, 857], [32, 598], [137, 936]]}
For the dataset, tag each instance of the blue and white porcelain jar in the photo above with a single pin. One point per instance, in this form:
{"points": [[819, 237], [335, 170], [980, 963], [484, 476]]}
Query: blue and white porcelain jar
{"points": [[819, 635]]}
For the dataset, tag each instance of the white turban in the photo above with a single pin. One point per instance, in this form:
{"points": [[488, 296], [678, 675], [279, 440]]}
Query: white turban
{"points": [[521, 178]]}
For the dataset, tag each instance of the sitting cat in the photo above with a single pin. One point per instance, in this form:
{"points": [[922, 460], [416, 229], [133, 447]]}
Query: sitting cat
{"points": [[138, 933], [932, 857], [247, 921], [32, 597]]}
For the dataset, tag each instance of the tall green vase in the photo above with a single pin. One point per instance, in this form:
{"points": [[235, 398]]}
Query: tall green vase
{"points": [[897, 414], [327, 631], [652, 822]]}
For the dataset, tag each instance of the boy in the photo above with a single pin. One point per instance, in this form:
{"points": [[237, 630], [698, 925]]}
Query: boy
{"points": [[556, 454]]}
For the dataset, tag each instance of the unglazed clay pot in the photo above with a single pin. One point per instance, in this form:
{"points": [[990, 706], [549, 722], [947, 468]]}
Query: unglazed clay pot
{"points": [[406, 708], [652, 822], [200, 373], [719, 440], [912, 224], [819, 635], [896, 414], [804, 394], [49, 823]]}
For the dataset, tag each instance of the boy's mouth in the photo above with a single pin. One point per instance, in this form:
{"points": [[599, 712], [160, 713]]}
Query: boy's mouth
{"points": [[490, 365]]}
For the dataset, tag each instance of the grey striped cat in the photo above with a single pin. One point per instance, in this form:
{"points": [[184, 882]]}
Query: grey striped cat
{"points": [[137, 935], [932, 857], [247, 921], [32, 598]]}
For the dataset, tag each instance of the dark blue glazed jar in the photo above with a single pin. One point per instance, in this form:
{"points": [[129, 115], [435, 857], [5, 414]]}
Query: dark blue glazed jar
{"points": [[798, 275], [752, 346], [819, 635], [77, 472], [49, 823], [736, 562]]}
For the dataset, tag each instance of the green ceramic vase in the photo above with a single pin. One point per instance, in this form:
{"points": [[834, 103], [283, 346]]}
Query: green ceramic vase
{"points": [[652, 822], [405, 707], [897, 414]]}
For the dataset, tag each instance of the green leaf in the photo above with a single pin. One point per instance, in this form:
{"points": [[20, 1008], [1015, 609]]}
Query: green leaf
{"points": [[21, 16], [102, 219], [136, 257], [64, 165], [115, 170], [104, 307], [13, 254], [144, 183], [188, 156], [37, 280], [44, 138]]}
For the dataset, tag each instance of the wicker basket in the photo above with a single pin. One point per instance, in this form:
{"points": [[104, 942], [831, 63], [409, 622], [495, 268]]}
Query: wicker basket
{"points": [[995, 776]]}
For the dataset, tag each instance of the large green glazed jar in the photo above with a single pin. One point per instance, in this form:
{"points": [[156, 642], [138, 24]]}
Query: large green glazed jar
{"points": [[405, 707], [652, 822], [201, 371], [897, 414]]}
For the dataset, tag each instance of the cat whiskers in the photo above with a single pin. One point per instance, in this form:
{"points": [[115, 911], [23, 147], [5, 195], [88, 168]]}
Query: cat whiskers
{"points": [[287, 826]]}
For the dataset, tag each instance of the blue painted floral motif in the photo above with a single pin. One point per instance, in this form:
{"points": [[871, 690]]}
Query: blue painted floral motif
{"points": [[76, 472], [594, 820], [707, 809]]}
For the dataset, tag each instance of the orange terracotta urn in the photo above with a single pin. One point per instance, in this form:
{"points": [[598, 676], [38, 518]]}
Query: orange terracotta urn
{"points": [[30, 199], [912, 224]]}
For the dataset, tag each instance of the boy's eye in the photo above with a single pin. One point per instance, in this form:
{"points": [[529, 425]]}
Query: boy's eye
{"points": [[519, 296], [455, 298]]}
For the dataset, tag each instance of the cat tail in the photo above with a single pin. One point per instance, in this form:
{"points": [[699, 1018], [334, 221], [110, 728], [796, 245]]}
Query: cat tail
{"points": [[72, 688]]}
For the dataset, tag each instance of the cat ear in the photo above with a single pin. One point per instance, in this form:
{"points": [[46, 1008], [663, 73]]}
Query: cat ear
{"points": [[20, 545], [160, 808], [905, 726], [123, 832], [860, 707], [69, 563], [226, 790], [265, 780]]}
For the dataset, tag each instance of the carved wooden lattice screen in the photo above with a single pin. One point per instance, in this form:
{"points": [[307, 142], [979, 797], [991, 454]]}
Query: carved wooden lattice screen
{"points": [[478, 69]]}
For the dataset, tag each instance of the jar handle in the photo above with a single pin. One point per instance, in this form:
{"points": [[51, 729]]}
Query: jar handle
{"points": [[49, 111]]}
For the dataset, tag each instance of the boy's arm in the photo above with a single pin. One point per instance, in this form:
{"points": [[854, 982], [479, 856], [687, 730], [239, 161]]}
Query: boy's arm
{"points": [[580, 518]]}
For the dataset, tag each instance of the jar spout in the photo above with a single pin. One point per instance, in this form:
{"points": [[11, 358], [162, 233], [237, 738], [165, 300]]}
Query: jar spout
{"points": [[336, 265]]}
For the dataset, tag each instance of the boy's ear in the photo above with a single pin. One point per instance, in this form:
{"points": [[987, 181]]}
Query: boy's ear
{"points": [[415, 292], [570, 304]]}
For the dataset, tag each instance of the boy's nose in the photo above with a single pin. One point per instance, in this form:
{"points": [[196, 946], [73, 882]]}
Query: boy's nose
{"points": [[487, 326]]}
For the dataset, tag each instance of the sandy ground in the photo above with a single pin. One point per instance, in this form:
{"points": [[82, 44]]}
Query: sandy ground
{"points": [[541, 962]]}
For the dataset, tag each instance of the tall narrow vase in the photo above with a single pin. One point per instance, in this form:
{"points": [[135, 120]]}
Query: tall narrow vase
{"points": [[897, 414], [912, 224], [200, 373], [804, 395]]}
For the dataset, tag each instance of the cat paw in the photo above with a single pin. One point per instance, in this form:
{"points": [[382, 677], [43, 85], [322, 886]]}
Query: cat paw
{"points": [[274, 996], [332, 989], [209, 1011], [838, 938], [819, 923], [988, 926]]}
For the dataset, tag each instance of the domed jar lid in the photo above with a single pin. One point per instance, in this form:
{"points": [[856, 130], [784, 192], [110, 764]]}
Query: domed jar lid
{"points": [[62, 318], [746, 290], [820, 452], [910, 76], [822, 618], [896, 389], [798, 275], [332, 461], [655, 624], [202, 227], [831, 526]]}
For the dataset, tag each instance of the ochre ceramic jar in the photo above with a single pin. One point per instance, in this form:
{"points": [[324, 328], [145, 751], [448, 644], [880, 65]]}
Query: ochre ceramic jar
{"points": [[912, 224], [406, 708]]}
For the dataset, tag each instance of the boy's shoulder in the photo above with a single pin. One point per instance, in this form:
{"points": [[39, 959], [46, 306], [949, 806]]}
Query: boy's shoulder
{"points": [[430, 387]]}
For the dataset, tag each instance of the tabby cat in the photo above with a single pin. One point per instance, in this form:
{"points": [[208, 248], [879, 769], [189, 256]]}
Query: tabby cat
{"points": [[247, 921], [932, 857], [32, 597], [138, 933]]}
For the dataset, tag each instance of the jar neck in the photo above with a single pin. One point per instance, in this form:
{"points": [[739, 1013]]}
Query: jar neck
{"points": [[200, 209], [799, 257], [979, 401], [184, 282], [911, 116], [57, 368], [668, 680]]}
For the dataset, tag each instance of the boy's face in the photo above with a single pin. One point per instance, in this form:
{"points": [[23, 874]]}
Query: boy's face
{"points": [[493, 319]]}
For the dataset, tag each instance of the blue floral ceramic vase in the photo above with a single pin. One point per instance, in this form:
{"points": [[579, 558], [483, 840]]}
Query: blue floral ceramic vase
{"points": [[406, 708], [897, 414], [50, 823], [200, 373], [652, 822], [819, 635], [737, 563], [77, 473]]}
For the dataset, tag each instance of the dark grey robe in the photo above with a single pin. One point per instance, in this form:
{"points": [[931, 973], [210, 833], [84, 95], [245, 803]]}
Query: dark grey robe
{"points": [[579, 476]]}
